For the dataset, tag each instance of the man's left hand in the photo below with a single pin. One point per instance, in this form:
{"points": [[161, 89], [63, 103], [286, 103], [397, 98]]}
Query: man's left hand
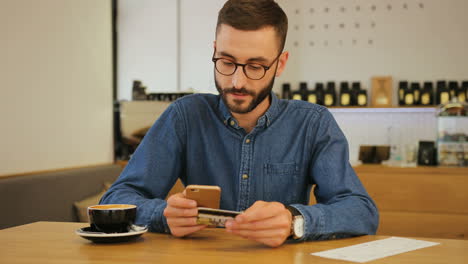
{"points": [[265, 222]]}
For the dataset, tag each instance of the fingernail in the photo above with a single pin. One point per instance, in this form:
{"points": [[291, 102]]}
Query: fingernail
{"points": [[228, 225], [193, 203]]}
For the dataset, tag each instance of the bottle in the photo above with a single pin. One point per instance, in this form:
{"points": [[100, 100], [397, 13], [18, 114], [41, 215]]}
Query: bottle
{"points": [[312, 97], [461, 93], [465, 87], [362, 98], [355, 89], [329, 98], [402, 86], [296, 95], [409, 96], [443, 93], [303, 90], [345, 94], [453, 88], [320, 93], [427, 94], [286, 91], [416, 92]]}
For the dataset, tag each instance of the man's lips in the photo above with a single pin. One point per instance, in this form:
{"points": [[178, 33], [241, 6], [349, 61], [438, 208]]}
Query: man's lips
{"points": [[239, 95]]}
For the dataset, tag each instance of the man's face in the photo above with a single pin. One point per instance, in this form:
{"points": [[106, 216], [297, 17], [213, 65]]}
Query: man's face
{"points": [[239, 93]]}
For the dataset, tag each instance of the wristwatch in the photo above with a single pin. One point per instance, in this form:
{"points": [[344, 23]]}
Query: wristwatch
{"points": [[297, 225]]}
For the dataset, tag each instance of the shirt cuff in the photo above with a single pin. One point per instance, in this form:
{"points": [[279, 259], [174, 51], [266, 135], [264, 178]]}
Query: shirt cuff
{"points": [[314, 221], [158, 220]]}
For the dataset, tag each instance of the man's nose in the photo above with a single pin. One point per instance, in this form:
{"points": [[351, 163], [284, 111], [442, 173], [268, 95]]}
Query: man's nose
{"points": [[238, 78]]}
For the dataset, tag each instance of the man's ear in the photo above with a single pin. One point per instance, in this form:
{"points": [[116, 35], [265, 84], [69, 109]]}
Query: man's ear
{"points": [[282, 60]]}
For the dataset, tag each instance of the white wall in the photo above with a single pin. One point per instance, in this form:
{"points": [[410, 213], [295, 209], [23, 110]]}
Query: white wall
{"points": [[56, 77]]}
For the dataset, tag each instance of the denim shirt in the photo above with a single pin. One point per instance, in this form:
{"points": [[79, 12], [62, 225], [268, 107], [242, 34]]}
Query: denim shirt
{"points": [[294, 146]]}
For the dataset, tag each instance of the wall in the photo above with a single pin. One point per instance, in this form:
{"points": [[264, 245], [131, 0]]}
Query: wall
{"points": [[338, 40], [56, 95]]}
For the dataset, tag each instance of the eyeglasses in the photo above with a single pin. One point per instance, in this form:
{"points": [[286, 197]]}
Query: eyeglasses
{"points": [[253, 71]]}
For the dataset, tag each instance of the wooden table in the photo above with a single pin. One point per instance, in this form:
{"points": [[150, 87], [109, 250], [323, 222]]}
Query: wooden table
{"points": [[55, 242]]}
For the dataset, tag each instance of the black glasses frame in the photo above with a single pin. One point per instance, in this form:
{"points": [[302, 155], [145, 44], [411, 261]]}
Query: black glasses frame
{"points": [[266, 68]]}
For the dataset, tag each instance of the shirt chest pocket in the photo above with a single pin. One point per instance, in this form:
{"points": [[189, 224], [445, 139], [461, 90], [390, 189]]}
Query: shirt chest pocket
{"points": [[281, 182]]}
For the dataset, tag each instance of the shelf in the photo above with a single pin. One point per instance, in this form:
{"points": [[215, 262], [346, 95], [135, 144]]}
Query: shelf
{"points": [[383, 109]]}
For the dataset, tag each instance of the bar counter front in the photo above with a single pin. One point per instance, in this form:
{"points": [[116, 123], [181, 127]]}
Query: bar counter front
{"points": [[56, 242]]}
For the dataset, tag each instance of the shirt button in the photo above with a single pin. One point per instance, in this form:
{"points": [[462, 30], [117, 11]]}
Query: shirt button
{"points": [[232, 123], [245, 176], [247, 141]]}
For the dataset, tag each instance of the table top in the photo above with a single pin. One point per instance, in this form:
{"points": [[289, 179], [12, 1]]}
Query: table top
{"points": [[56, 242]]}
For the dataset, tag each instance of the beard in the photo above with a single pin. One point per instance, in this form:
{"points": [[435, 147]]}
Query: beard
{"points": [[236, 105]]}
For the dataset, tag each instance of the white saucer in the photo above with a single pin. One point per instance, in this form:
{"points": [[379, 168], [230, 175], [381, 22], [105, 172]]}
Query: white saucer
{"points": [[101, 237]]}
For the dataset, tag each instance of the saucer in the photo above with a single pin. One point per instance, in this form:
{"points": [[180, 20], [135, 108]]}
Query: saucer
{"points": [[101, 237]]}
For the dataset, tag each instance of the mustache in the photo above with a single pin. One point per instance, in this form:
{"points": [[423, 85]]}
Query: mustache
{"points": [[238, 91]]}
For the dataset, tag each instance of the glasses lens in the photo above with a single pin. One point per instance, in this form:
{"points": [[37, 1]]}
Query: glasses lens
{"points": [[254, 71], [225, 67]]}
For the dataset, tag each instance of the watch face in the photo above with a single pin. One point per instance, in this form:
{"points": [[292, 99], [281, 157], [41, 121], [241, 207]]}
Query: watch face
{"points": [[298, 227]]}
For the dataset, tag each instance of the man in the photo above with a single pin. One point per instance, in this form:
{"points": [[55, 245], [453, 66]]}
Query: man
{"points": [[263, 152]]}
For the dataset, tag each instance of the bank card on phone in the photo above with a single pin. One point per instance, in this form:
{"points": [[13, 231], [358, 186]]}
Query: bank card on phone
{"points": [[214, 217]]}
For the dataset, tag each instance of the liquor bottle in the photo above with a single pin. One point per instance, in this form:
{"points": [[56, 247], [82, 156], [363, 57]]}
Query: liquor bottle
{"points": [[443, 93], [402, 86], [296, 95], [303, 90], [312, 97], [345, 94], [362, 98], [355, 89], [416, 92], [286, 91], [329, 98], [461, 93], [409, 96], [453, 87], [427, 94], [320, 93], [465, 87]]}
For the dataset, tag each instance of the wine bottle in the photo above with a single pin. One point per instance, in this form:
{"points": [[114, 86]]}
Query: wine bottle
{"points": [[409, 96], [286, 91], [427, 94], [303, 90], [453, 88], [461, 94], [362, 98], [416, 92], [465, 88], [443, 93], [320, 93], [329, 98], [355, 89], [312, 97], [345, 94], [402, 86]]}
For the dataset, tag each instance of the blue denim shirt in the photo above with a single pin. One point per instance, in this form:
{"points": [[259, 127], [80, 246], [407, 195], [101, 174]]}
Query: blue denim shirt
{"points": [[294, 146]]}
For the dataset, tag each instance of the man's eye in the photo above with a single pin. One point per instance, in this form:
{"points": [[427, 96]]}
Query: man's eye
{"points": [[227, 63], [254, 67]]}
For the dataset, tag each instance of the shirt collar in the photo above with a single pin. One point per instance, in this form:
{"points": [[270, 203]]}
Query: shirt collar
{"points": [[264, 120]]}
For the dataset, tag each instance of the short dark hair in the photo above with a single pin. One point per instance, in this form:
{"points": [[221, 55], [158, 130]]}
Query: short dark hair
{"points": [[254, 15]]}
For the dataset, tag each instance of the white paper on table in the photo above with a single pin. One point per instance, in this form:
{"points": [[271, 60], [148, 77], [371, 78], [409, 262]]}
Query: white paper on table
{"points": [[374, 250]]}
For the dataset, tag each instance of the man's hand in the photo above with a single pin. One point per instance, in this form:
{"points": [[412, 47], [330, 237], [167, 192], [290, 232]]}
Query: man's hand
{"points": [[181, 214], [265, 222]]}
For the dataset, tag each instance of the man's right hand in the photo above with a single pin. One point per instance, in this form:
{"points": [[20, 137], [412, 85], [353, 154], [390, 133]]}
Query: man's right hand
{"points": [[181, 214]]}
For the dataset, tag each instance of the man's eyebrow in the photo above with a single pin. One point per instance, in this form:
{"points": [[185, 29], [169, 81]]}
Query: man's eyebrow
{"points": [[255, 59]]}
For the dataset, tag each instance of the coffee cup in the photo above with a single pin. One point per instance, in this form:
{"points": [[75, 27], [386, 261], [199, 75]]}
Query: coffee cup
{"points": [[112, 218]]}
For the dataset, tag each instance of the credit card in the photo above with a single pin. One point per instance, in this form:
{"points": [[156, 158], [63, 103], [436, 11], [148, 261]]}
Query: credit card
{"points": [[214, 217]]}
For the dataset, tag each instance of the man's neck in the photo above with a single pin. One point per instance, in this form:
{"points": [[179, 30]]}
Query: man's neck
{"points": [[249, 120]]}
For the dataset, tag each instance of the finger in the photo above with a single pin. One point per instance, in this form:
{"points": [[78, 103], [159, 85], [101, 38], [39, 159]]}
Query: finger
{"points": [[179, 200], [262, 234], [271, 242], [183, 231], [259, 211], [277, 222], [182, 221], [180, 212]]}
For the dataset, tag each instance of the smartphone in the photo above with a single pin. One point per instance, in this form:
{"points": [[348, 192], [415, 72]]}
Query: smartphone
{"points": [[207, 196]]}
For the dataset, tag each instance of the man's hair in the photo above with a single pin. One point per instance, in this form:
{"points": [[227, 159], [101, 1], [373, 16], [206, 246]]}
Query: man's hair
{"points": [[254, 15]]}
